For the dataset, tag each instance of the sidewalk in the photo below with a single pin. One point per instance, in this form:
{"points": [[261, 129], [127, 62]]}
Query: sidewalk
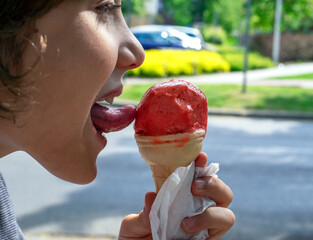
{"points": [[261, 77]]}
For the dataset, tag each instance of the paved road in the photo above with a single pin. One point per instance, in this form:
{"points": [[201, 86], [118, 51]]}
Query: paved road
{"points": [[267, 163]]}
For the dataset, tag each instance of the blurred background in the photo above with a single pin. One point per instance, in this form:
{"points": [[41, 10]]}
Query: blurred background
{"points": [[224, 23], [254, 62]]}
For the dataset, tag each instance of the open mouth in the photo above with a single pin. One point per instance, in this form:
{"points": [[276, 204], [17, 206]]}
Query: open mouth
{"points": [[107, 119]]}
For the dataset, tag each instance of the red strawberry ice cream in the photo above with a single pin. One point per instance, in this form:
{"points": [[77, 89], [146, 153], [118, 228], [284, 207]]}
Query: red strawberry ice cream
{"points": [[171, 107]]}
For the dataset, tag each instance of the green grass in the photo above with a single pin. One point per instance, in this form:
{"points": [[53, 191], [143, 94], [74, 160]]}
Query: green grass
{"points": [[308, 76], [256, 98]]}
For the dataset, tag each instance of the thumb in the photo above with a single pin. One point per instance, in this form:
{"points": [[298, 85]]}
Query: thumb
{"points": [[138, 225], [143, 217]]}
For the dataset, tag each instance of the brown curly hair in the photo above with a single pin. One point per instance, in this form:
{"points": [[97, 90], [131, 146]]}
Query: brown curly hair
{"points": [[17, 26]]}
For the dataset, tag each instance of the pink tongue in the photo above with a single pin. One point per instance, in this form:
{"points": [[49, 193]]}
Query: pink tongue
{"points": [[112, 120]]}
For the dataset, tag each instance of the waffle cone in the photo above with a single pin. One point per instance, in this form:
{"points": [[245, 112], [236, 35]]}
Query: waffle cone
{"points": [[166, 153]]}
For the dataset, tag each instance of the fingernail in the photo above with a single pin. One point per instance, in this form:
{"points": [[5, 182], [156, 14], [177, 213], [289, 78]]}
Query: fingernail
{"points": [[200, 184], [189, 223]]}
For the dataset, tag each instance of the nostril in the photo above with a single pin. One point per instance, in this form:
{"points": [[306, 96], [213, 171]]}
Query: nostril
{"points": [[133, 66], [135, 58]]}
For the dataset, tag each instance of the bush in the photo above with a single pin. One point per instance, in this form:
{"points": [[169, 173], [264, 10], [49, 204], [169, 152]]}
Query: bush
{"points": [[170, 62], [234, 56], [214, 34], [255, 61]]}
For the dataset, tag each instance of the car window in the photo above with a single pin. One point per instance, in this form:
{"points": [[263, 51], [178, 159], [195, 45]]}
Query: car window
{"points": [[156, 37], [174, 40]]}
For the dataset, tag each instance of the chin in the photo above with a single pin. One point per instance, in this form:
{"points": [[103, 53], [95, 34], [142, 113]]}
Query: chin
{"points": [[82, 177], [78, 168], [86, 179]]}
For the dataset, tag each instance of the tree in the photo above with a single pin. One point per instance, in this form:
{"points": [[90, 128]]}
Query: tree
{"points": [[182, 12], [135, 6], [179, 12], [296, 17], [226, 13]]}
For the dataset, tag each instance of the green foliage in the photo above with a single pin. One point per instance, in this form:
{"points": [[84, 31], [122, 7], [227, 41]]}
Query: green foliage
{"points": [[220, 12], [256, 61], [180, 11], [235, 56], [161, 63], [214, 34], [296, 15], [170, 62], [137, 6], [225, 13]]}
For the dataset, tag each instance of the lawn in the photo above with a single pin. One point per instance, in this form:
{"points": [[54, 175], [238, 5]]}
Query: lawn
{"points": [[257, 97], [308, 76]]}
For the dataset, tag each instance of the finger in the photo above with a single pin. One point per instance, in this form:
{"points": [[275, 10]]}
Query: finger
{"points": [[135, 225], [149, 199], [201, 160], [213, 188], [216, 219]]}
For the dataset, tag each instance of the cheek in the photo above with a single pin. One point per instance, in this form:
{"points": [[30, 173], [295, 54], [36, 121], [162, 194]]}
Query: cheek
{"points": [[89, 60], [80, 66], [80, 57]]}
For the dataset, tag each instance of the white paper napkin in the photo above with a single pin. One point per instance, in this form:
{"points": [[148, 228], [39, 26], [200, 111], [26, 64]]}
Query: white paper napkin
{"points": [[175, 202]]}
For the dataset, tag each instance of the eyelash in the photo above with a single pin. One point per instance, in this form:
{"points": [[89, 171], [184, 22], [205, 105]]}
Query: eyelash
{"points": [[107, 8]]}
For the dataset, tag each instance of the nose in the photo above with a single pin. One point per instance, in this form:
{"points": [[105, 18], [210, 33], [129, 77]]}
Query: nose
{"points": [[131, 54]]}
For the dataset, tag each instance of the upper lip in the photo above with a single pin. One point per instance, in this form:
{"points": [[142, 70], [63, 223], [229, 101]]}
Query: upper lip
{"points": [[109, 97]]}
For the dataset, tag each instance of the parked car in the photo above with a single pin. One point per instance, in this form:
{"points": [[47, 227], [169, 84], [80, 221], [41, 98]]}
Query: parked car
{"points": [[196, 34], [165, 36], [191, 32]]}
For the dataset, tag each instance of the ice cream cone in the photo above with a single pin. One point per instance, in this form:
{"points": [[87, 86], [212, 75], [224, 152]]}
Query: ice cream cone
{"points": [[166, 153]]}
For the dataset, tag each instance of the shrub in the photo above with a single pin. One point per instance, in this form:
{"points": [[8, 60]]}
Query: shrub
{"points": [[214, 34], [170, 62], [255, 61], [235, 55]]}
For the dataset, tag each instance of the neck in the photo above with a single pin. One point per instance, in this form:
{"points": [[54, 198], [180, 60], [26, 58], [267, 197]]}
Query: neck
{"points": [[7, 145]]}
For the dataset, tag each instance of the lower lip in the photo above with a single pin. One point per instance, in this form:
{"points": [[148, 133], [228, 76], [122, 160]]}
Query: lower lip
{"points": [[102, 139]]}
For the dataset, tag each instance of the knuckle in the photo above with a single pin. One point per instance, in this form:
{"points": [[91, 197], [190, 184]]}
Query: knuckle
{"points": [[210, 213], [231, 195], [128, 218], [231, 218], [228, 197], [227, 193]]}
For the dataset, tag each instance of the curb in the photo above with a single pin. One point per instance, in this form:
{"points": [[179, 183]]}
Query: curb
{"points": [[262, 114], [239, 112]]}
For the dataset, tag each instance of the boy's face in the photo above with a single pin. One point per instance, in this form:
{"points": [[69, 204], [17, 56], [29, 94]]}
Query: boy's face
{"points": [[88, 49]]}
